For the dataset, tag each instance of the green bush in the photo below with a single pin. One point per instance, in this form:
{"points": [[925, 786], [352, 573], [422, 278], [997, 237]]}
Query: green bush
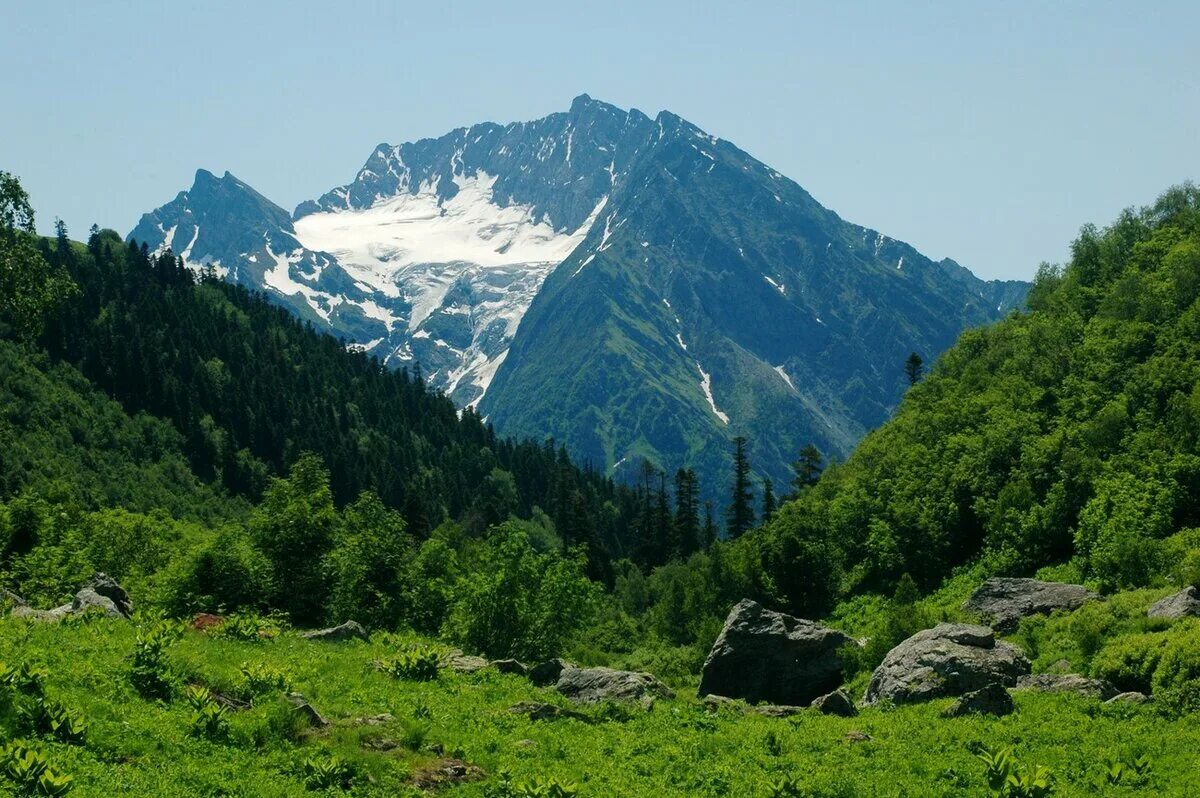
{"points": [[31, 773], [1130, 662], [1176, 681], [417, 663], [209, 718], [325, 772], [151, 672], [261, 679]]}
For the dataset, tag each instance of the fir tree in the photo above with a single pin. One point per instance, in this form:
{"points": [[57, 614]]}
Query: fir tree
{"points": [[807, 469], [740, 515], [914, 367], [768, 500]]}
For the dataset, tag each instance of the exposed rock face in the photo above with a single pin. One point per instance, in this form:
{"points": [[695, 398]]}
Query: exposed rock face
{"points": [[1004, 601], [1068, 683], [350, 630], [89, 599], [1129, 698], [835, 703], [1185, 603], [463, 663], [992, 699], [950, 659], [762, 655], [106, 586], [306, 711], [592, 685]]}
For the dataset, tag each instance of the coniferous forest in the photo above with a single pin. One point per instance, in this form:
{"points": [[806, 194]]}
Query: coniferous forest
{"points": [[245, 477]]}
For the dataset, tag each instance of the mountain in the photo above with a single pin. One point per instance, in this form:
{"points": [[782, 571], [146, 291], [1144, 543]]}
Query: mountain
{"points": [[632, 287]]}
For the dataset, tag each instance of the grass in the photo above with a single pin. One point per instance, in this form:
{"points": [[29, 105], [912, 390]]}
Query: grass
{"points": [[141, 747]]}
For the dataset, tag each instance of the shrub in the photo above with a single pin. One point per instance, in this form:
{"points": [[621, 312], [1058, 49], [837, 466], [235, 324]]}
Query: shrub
{"points": [[1176, 680], [249, 627], [418, 664], [208, 717], [1007, 779], [505, 787], [1130, 662], [151, 672]]}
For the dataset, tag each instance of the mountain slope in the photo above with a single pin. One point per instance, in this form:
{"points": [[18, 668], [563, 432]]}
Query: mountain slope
{"points": [[630, 286], [714, 297]]}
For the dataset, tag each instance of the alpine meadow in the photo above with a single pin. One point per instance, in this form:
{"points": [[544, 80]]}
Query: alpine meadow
{"points": [[591, 456]]}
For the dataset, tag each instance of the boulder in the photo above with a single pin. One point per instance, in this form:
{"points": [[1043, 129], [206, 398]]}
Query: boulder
{"points": [[1067, 683], [948, 660], [835, 703], [1003, 601], [445, 773], [350, 630], [106, 586], [547, 673], [991, 699], [511, 666], [762, 655], [306, 710], [463, 663], [1129, 698], [31, 614], [1185, 603], [592, 685], [88, 599], [12, 599]]}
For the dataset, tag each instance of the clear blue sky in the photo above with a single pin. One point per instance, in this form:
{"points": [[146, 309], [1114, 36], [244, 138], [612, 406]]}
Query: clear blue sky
{"points": [[987, 132]]}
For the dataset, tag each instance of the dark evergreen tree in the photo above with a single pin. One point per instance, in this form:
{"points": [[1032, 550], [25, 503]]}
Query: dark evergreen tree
{"points": [[687, 514], [740, 515], [914, 367], [807, 469], [768, 500]]}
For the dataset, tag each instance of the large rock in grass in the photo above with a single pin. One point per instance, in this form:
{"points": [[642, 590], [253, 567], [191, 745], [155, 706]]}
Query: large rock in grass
{"points": [[106, 586], [991, 699], [948, 660], [1003, 601], [350, 630], [762, 655], [1184, 604], [593, 685], [1068, 683], [89, 600]]}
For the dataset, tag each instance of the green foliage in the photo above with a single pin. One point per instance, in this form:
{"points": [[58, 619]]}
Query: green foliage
{"points": [[521, 603], [151, 673], [1130, 662], [31, 773], [505, 787], [262, 678], [367, 565], [417, 663], [1006, 778], [209, 717], [30, 288], [327, 772]]}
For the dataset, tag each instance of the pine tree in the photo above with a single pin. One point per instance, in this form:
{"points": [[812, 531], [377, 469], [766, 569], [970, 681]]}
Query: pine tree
{"points": [[710, 526], [687, 513], [807, 469], [740, 515], [768, 500], [914, 367]]}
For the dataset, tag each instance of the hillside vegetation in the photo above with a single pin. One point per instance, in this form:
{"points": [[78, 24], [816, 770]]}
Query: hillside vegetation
{"points": [[223, 462]]}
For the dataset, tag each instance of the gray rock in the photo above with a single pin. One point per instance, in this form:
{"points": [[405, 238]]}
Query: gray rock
{"points": [[536, 710], [1129, 698], [39, 616], [306, 711], [12, 599], [88, 599], [992, 699], [835, 703], [948, 660], [592, 685], [106, 586], [1003, 602], [350, 630], [1067, 683], [463, 663], [1185, 603], [762, 655], [511, 666], [547, 673], [775, 710]]}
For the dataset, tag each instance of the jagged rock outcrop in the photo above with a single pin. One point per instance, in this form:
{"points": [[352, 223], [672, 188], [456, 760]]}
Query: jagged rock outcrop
{"points": [[948, 660], [106, 586], [835, 703], [101, 594], [1068, 683], [1131, 697], [1004, 601], [762, 655], [1184, 604]]}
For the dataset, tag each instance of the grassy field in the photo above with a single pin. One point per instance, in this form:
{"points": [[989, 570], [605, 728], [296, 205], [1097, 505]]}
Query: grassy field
{"points": [[140, 747]]}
